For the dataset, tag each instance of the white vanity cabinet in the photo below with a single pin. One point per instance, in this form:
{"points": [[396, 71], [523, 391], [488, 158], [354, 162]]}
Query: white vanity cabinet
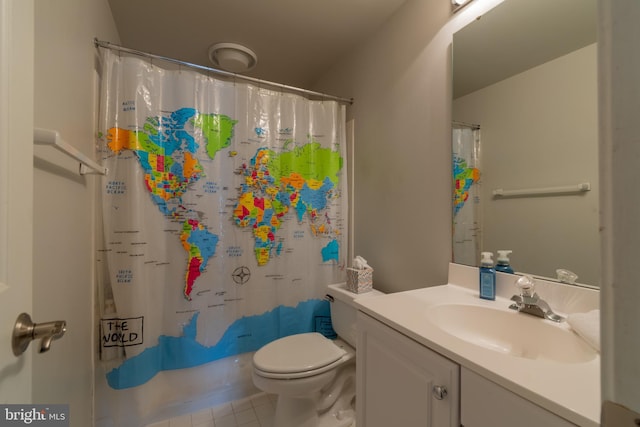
{"points": [[401, 382], [486, 404], [411, 341]]}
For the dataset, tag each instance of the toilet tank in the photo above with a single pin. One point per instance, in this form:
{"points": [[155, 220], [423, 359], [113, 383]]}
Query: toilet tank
{"points": [[344, 311]]}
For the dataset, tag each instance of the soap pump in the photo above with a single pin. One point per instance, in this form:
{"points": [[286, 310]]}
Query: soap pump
{"points": [[487, 277], [503, 264]]}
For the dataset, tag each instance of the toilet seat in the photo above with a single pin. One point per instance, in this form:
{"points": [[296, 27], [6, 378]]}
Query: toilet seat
{"points": [[297, 356]]}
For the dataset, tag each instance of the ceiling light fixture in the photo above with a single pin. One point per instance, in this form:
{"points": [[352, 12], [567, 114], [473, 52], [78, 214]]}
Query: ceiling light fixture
{"points": [[232, 57], [457, 4]]}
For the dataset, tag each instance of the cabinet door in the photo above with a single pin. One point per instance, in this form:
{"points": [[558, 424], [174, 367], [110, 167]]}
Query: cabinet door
{"points": [[486, 404], [396, 377]]}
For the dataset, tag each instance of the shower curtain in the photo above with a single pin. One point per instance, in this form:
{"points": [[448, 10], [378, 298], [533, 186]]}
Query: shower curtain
{"points": [[224, 215], [467, 230]]}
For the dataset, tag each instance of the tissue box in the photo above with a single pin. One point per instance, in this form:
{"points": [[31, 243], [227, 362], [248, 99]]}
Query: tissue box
{"points": [[359, 281]]}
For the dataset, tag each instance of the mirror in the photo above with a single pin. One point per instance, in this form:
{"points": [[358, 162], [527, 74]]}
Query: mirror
{"points": [[525, 73]]}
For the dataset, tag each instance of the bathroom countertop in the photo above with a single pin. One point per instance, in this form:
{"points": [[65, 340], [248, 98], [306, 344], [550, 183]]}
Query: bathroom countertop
{"points": [[569, 390]]}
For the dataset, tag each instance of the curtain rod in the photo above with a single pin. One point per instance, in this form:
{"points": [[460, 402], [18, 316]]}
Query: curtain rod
{"points": [[109, 45]]}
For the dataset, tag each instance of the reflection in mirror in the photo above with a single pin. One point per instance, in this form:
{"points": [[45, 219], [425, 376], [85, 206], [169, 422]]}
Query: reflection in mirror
{"points": [[525, 78]]}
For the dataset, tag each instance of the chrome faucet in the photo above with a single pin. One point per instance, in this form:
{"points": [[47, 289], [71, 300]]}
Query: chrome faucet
{"points": [[529, 302]]}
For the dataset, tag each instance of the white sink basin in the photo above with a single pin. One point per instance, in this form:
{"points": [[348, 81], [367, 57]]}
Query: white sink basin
{"points": [[510, 332]]}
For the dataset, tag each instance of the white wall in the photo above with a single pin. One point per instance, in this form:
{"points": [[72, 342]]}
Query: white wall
{"points": [[400, 80], [63, 286], [540, 129]]}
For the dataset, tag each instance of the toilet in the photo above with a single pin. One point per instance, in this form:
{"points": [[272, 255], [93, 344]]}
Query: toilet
{"points": [[313, 376]]}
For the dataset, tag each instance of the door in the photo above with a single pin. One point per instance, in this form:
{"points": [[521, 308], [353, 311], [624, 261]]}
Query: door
{"points": [[402, 383], [16, 190], [486, 404]]}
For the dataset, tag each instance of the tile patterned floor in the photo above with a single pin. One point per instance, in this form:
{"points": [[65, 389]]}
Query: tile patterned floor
{"points": [[254, 411]]}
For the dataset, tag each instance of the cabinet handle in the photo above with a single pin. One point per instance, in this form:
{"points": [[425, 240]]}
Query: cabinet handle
{"points": [[439, 392]]}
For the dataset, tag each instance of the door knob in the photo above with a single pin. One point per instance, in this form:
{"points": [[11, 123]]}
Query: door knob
{"points": [[439, 392], [25, 331]]}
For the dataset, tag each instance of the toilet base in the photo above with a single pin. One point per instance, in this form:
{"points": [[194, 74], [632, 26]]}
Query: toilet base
{"points": [[342, 412], [346, 418], [337, 409], [295, 412], [300, 412]]}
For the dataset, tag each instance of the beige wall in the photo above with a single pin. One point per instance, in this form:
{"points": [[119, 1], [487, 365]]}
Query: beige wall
{"points": [[63, 282], [400, 80], [540, 129], [402, 75]]}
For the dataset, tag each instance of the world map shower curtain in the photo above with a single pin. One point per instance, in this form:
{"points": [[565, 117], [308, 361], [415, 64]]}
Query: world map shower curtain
{"points": [[467, 224], [224, 215]]}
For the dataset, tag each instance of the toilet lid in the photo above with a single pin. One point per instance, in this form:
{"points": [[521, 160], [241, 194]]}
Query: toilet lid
{"points": [[297, 353]]}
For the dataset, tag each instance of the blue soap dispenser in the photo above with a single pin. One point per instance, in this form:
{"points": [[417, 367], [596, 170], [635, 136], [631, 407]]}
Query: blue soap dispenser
{"points": [[502, 263], [487, 277]]}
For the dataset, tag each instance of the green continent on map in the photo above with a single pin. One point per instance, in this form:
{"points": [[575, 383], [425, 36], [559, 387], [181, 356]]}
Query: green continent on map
{"points": [[310, 161], [303, 179], [166, 150], [217, 129]]}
